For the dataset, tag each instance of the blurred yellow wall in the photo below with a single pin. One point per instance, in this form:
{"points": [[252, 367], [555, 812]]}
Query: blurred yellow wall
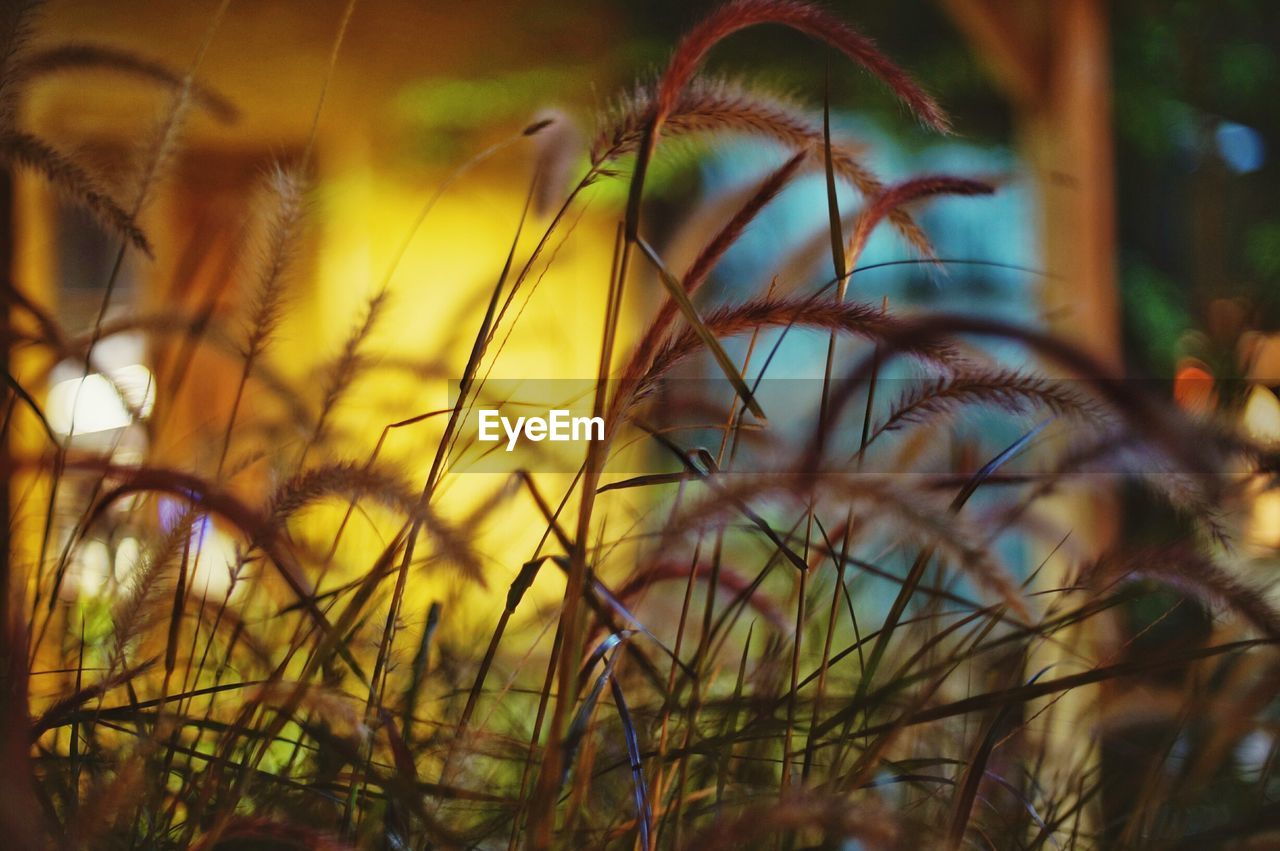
{"points": [[374, 169]]}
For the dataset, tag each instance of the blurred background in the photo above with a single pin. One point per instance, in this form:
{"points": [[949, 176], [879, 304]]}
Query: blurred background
{"points": [[1135, 146]]}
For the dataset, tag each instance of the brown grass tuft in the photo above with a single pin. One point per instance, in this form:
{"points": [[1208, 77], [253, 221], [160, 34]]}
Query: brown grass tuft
{"points": [[1009, 390], [849, 318], [16, 24], [363, 482], [807, 18], [74, 183], [709, 107], [893, 199], [706, 260], [283, 228], [76, 57], [343, 371], [1194, 574]]}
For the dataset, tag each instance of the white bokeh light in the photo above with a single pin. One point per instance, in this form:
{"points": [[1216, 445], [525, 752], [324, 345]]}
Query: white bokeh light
{"points": [[98, 403]]}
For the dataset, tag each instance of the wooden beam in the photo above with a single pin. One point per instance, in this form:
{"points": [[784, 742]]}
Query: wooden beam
{"points": [[1071, 139], [1007, 44], [1052, 59], [1053, 63]]}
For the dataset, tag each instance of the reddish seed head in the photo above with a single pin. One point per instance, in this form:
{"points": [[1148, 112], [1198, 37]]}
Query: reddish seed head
{"points": [[901, 194], [811, 20]]}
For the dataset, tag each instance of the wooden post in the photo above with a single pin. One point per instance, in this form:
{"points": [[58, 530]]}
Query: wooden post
{"points": [[1051, 58], [1070, 139]]}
